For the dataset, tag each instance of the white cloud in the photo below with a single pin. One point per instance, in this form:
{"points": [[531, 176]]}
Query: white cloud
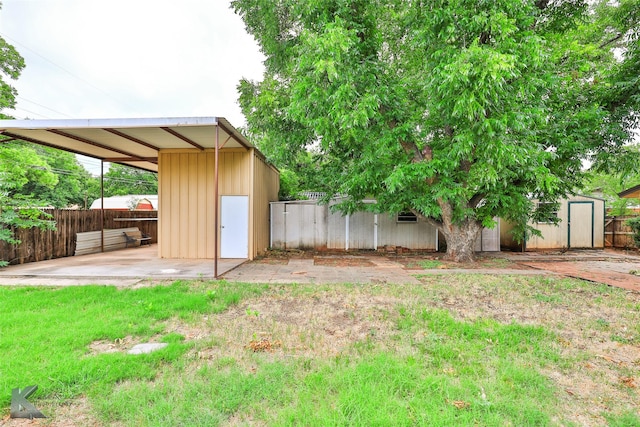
{"points": [[129, 58]]}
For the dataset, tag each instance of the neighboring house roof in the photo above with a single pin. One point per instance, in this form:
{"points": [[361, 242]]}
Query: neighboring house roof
{"points": [[125, 202], [133, 142], [631, 193]]}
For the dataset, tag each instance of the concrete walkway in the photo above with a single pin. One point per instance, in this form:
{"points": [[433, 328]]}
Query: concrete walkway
{"points": [[607, 267], [139, 266], [306, 271]]}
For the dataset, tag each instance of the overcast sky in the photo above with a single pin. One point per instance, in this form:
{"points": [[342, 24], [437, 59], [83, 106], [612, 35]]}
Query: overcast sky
{"points": [[129, 58]]}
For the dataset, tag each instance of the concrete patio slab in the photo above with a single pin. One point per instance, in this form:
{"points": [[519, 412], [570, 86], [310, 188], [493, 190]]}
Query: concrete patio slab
{"points": [[124, 267]]}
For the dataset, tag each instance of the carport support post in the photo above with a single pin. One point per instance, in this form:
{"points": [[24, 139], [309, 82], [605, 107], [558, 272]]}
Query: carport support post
{"points": [[216, 225], [346, 234], [375, 232], [101, 205]]}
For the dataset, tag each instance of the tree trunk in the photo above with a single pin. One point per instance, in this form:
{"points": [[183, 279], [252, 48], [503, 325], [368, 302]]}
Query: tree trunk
{"points": [[461, 240]]}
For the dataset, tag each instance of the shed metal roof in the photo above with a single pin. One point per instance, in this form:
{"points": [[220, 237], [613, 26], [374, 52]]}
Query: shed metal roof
{"points": [[133, 142]]}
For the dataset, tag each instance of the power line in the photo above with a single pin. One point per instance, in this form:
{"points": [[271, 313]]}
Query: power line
{"points": [[67, 172], [49, 156], [43, 106], [13, 40], [29, 111]]}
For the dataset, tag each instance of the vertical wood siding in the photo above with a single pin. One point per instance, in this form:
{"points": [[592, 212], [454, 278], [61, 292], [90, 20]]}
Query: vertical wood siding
{"points": [[361, 230], [336, 230], [617, 233]]}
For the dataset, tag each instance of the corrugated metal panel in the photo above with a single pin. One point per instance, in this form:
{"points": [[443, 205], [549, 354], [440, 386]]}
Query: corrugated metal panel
{"points": [[361, 230], [336, 230], [278, 228], [234, 172], [581, 224], [417, 235], [489, 239], [266, 183], [598, 225], [553, 236], [300, 225], [186, 198]]}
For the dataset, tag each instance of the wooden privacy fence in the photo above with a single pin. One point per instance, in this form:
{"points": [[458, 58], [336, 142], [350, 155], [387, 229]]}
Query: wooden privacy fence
{"points": [[39, 245], [617, 234]]}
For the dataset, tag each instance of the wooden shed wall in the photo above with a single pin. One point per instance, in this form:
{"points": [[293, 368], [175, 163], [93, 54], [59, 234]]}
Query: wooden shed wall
{"points": [[266, 184], [186, 188]]}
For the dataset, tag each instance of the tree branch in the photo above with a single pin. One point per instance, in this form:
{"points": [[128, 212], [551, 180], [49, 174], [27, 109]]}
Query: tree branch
{"points": [[475, 200], [429, 220], [409, 147], [608, 42], [542, 4]]}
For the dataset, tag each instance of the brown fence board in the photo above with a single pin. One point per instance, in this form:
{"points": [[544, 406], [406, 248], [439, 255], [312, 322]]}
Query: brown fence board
{"points": [[617, 234], [39, 245]]}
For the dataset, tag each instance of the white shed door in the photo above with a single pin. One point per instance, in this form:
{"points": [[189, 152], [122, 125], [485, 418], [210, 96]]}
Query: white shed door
{"points": [[580, 224], [234, 227]]}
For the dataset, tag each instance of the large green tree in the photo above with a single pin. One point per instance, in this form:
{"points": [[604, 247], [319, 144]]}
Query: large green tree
{"points": [[17, 211], [460, 111], [11, 65], [121, 180], [617, 28], [608, 186], [74, 185]]}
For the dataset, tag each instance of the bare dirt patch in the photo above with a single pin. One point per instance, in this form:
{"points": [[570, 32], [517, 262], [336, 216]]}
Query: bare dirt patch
{"points": [[119, 345], [421, 261], [322, 324]]}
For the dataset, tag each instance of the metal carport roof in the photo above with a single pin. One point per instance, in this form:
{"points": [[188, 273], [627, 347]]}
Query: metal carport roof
{"points": [[133, 142]]}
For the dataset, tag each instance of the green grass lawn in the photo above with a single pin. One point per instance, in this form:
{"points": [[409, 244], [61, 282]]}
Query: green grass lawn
{"points": [[336, 355]]}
